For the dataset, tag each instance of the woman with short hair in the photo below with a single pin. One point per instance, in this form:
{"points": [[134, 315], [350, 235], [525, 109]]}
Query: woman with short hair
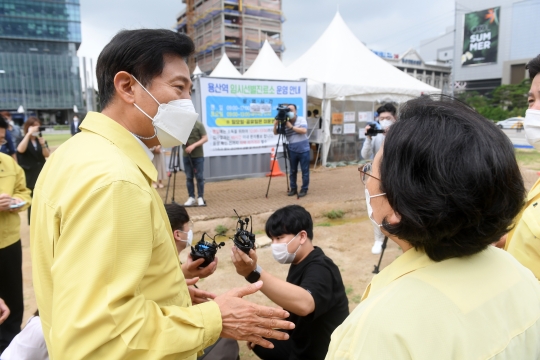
{"points": [[445, 186]]}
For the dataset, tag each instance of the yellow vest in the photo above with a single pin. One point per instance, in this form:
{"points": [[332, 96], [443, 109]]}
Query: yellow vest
{"points": [[106, 273]]}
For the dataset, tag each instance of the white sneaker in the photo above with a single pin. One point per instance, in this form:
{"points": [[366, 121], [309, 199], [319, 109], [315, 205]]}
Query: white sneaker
{"points": [[190, 201], [377, 247], [200, 202]]}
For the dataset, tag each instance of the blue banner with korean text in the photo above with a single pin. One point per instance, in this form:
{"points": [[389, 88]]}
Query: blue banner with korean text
{"points": [[239, 114]]}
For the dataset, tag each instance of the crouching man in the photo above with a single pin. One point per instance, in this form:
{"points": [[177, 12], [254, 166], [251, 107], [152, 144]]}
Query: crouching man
{"points": [[313, 292]]}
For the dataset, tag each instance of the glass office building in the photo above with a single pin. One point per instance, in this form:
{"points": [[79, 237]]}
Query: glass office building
{"points": [[39, 67]]}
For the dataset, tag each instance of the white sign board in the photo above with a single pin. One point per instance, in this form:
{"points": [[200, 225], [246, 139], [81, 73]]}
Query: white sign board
{"points": [[239, 114]]}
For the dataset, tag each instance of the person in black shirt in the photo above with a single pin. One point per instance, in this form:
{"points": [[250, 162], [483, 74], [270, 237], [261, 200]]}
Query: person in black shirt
{"points": [[313, 292]]}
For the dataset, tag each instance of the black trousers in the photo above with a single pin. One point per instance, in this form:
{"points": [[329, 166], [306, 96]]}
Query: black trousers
{"points": [[11, 290]]}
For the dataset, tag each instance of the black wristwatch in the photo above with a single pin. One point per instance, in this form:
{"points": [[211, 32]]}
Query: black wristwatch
{"points": [[255, 275]]}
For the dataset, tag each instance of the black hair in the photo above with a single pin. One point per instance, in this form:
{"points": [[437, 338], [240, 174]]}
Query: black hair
{"points": [[452, 177], [315, 112], [534, 67], [387, 108], [140, 53], [178, 216], [289, 220], [309, 113], [3, 123], [295, 108]]}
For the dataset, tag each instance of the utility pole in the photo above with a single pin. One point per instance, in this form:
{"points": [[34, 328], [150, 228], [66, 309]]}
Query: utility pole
{"points": [[241, 9], [190, 17]]}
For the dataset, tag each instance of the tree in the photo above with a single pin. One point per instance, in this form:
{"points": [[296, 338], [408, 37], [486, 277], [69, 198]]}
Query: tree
{"points": [[504, 102]]}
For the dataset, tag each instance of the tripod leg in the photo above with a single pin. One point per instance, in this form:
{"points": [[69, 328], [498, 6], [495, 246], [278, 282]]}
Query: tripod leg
{"points": [[168, 185], [272, 168], [286, 156], [317, 157], [377, 267], [174, 187]]}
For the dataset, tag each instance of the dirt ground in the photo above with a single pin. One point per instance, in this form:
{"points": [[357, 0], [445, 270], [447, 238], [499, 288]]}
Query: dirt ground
{"points": [[346, 241]]}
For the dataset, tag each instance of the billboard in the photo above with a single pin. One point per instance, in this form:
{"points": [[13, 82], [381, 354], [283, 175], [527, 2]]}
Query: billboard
{"points": [[481, 37], [239, 114]]}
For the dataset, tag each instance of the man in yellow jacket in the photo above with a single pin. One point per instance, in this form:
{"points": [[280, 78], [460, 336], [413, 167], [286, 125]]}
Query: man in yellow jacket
{"points": [[106, 275], [14, 197], [522, 241]]}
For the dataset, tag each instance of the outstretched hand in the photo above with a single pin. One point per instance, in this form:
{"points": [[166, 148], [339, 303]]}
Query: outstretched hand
{"points": [[243, 320], [198, 296], [243, 263]]}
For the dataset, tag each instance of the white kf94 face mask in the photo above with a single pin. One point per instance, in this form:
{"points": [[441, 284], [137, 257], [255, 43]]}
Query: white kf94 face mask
{"points": [[189, 237], [369, 208], [281, 254], [532, 127], [173, 122]]}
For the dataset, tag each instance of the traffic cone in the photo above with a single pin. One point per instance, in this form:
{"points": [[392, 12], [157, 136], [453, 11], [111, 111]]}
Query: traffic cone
{"points": [[274, 165]]}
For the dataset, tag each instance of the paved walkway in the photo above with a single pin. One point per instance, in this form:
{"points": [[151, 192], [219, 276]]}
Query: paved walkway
{"points": [[247, 196]]}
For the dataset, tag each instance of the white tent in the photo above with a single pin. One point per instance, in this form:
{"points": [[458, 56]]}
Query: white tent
{"points": [[268, 66], [351, 71], [225, 69], [340, 67], [197, 71]]}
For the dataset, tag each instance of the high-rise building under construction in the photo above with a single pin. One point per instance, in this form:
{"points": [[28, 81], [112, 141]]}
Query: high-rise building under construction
{"points": [[235, 27]]}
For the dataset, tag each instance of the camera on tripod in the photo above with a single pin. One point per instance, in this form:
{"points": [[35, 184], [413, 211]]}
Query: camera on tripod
{"points": [[244, 239], [205, 250], [374, 129], [282, 117]]}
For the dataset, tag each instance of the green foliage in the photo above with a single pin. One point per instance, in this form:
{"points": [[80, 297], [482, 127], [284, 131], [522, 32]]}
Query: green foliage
{"points": [[504, 102], [511, 97], [334, 214], [348, 290], [221, 230], [356, 299], [324, 224], [61, 127]]}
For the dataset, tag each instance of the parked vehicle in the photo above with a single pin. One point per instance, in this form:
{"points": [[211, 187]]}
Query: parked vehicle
{"points": [[511, 123]]}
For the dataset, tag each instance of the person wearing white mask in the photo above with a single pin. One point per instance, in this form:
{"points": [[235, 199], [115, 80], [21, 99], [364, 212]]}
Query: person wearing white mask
{"points": [[522, 241], [106, 273], [182, 228], [372, 145], [313, 291], [444, 198]]}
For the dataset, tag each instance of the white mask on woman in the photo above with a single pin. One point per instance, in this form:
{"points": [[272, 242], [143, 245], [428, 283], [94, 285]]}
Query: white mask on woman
{"points": [[369, 208], [282, 254], [532, 127], [173, 122]]}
